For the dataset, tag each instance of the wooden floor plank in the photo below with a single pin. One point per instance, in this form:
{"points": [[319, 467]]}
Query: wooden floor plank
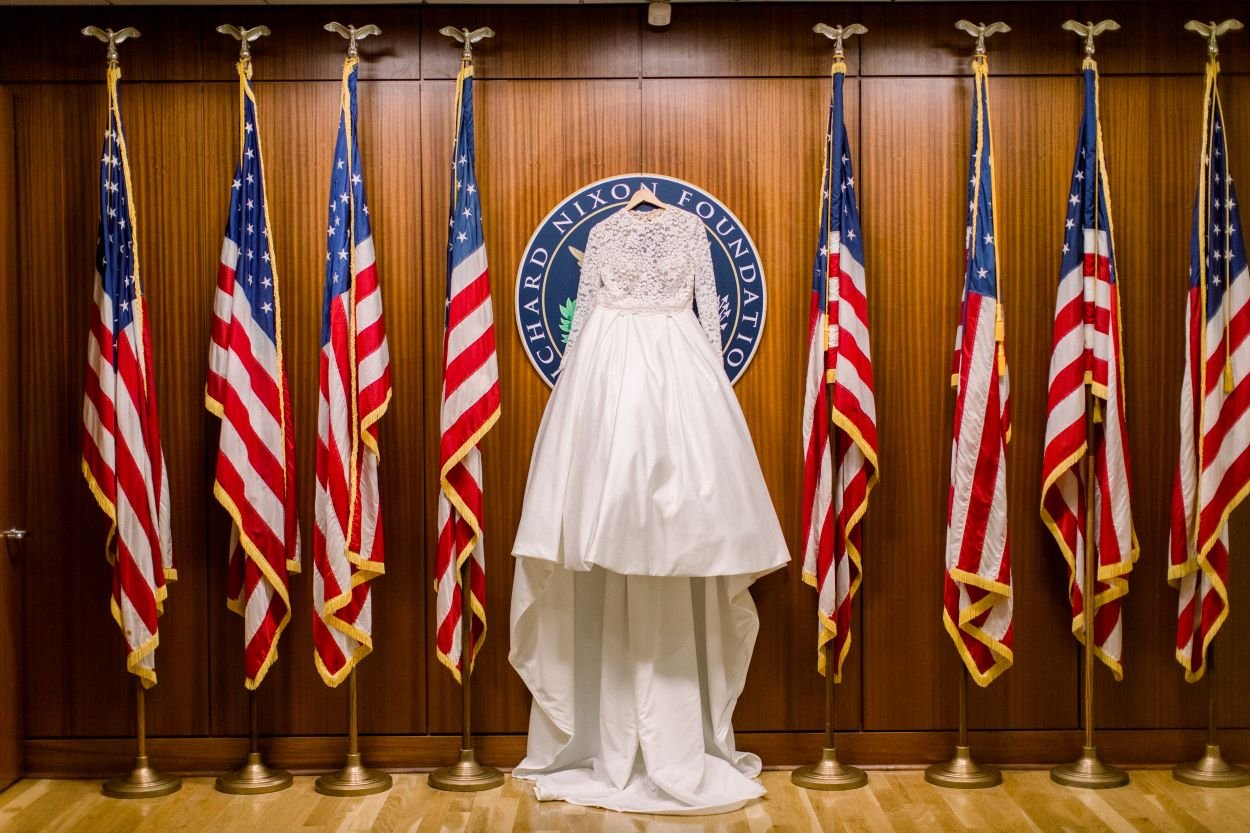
{"points": [[1028, 802]]}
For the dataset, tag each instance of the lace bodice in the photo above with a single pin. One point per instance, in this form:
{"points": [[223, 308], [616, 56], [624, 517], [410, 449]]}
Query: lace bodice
{"points": [[652, 261]]}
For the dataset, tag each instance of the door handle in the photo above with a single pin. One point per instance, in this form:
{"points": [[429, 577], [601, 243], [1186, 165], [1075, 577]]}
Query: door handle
{"points": [[13, 534]]}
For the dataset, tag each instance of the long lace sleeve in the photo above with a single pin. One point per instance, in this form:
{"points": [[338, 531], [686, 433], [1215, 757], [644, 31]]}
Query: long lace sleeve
{"points": [[705, 297], [587, 290]]}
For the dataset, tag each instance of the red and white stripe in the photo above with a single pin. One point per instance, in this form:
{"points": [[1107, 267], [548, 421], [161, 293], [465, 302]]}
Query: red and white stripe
{"points": [[470, 406], [355, 388], [1213, 474], [977, 596], [838, 355], [125, 468], [1086, 351], [255, 474]]}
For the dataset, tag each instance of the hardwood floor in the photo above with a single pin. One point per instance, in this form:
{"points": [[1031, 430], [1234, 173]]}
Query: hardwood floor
{"points": [[893, 801]]}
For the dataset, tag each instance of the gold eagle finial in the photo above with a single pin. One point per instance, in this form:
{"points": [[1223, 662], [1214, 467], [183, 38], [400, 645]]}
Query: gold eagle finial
{"points": [[981, 31], [1213, 30], [467, 38], [1089, 31], [838, 33], [111, 38], [244, 36], [353, 34]]}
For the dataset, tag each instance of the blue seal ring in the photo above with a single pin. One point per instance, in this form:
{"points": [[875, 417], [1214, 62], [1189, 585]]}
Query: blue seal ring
{"points": [[550, 268]]}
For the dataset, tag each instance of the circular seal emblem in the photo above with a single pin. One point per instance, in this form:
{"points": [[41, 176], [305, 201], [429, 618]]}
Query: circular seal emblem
{"points": [[546, 281]]}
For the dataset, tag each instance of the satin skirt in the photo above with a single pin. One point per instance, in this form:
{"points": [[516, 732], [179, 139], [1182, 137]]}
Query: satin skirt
{"points": [[634, 679], [646, 520]]}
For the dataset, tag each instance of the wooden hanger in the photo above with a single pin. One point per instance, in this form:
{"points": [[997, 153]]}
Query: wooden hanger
{"points": [[644, 194]]}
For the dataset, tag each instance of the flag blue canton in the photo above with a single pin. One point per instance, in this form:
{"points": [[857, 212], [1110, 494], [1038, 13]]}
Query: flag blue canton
{"points": [[349, 212], [115, 249], [981, 274], [1216, 224], [465, 221], [839, 211], [1087, 191], [248, 226]]}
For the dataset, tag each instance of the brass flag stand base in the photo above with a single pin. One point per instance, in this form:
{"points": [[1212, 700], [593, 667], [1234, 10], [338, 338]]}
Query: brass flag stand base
{"points": [[829, 773], [961, 772], [254, 778], [1211, 770], [1089, 772], [466, 774], [143, 781], [354, 779]]}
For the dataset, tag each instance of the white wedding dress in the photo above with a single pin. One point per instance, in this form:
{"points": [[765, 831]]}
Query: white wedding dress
{"points": [[646, 519]]}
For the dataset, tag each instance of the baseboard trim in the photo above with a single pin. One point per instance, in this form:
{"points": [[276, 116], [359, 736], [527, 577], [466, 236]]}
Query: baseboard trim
{"points": [[101, 757]]}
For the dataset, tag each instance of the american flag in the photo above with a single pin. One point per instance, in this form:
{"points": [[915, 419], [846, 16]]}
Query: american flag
{"points": [[1087, 351], [839, 391], [977, 587], [355, 387], [1213, 474], [247, 388], [122, 458], [470, 402]]}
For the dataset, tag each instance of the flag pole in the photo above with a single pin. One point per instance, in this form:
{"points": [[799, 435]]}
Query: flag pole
{"points": [[254, 777], [1211, 770], [1088, 771], [829, 773], [143, 781], [961, 772], [466, 774], [354, 779]]}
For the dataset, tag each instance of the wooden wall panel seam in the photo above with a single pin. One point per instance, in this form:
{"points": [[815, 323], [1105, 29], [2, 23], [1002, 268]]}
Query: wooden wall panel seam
{"points": [[209, 499], [430, 498]]}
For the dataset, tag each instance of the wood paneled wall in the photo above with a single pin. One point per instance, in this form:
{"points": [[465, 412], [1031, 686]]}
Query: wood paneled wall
{"points": [[732, 97], [10, 491]]}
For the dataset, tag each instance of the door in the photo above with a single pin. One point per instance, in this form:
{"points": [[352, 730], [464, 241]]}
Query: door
{"points": [[10, 467]]}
